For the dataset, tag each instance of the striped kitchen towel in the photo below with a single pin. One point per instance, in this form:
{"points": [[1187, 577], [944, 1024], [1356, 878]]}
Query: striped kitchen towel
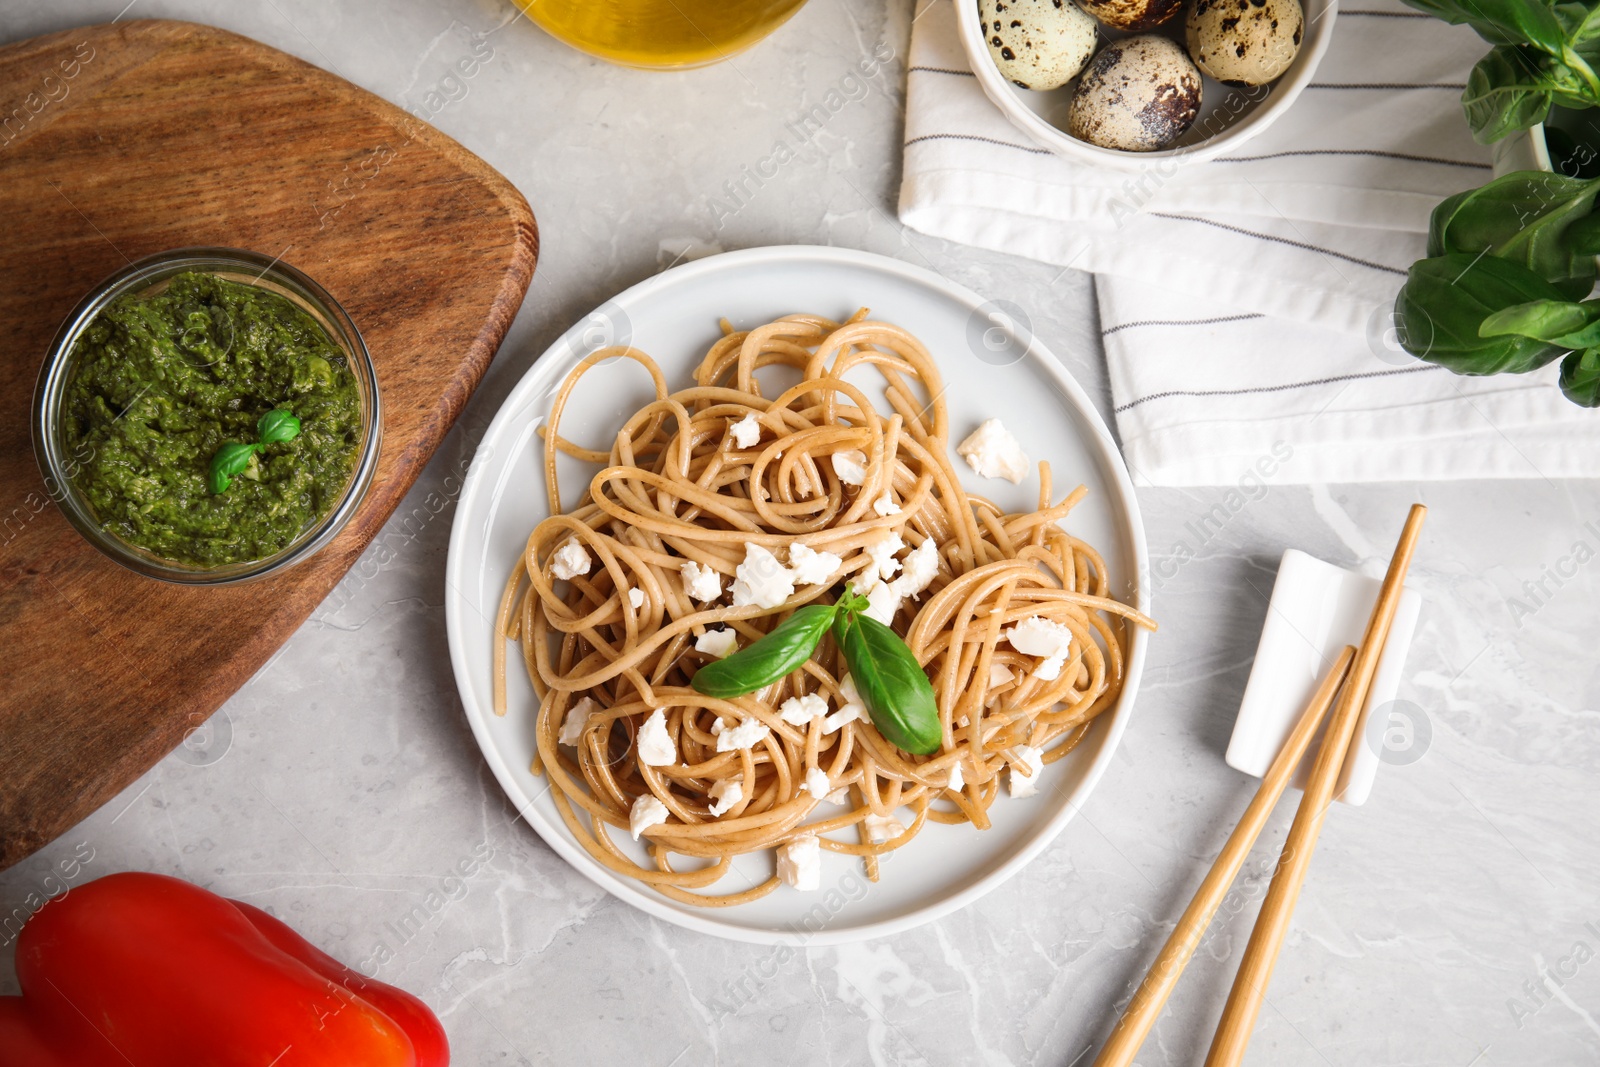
{"points": [[1244, 302]]}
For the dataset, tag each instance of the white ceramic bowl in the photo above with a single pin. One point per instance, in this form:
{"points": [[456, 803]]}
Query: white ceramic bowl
{"points": [[1229, 115]]}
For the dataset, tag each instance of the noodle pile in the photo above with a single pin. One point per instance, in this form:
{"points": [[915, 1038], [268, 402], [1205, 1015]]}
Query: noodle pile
{"points": [[676, 487]]}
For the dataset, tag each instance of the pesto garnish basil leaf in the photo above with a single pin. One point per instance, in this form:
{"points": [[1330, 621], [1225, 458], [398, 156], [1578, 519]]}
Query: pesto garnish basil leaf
{"points": [[765, 661], [275, 427], [229, 462], [891, 682], [278, 426]]}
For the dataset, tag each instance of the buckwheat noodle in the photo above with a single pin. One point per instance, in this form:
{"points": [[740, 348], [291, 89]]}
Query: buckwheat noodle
{"points": [[674, 487]]}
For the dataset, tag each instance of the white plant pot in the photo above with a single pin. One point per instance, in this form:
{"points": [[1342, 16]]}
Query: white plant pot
{"points": [[1523, 150]]}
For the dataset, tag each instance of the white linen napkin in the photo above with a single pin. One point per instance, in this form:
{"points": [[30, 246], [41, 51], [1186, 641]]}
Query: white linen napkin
{"points": [[1244, 302]]}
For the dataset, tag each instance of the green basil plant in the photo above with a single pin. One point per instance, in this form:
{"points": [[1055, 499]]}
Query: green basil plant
{"points": [[1544, 53], [1503, 288]]}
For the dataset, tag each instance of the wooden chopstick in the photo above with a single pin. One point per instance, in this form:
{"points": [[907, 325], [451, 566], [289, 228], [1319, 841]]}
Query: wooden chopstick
{"points": [[1261, 954], [1134, 1026]]}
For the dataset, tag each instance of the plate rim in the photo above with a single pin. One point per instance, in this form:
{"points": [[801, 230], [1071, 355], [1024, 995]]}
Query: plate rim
{"points": [[560, 840]]}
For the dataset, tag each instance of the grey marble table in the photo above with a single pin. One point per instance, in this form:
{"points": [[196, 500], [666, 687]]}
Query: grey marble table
{"points": [[1450, 921]]}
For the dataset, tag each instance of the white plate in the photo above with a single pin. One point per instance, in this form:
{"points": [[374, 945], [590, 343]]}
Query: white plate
{"points": [[990, 371]]}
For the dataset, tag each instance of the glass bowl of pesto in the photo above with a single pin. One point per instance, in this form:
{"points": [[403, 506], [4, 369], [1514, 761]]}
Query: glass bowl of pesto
{"points": [[207, 415]]}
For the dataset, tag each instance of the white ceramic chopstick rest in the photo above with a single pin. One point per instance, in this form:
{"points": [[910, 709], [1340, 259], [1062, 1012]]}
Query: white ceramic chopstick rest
{"points": [[1316, 610]]}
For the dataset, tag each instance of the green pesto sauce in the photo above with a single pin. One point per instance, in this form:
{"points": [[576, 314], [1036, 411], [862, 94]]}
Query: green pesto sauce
{"points": [[161, 382]]}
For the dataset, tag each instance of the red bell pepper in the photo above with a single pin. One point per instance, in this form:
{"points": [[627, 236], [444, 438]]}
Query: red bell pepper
{"points": [[149, 970]]}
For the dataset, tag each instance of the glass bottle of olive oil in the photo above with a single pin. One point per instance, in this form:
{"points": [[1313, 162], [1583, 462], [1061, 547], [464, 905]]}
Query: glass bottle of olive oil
{"points": [[660, 33]]}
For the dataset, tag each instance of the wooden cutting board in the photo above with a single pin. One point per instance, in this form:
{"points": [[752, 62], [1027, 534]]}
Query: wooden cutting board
{"points": [[122, 140]]}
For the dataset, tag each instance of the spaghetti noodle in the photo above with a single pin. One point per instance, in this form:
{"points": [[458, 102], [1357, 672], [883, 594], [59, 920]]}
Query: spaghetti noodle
{"points": [[619, 599]]}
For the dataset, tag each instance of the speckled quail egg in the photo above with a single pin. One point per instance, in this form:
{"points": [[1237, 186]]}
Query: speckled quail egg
{"points": [[1038, 44], [1244, 42], [1134, 16], [1138, 94]]}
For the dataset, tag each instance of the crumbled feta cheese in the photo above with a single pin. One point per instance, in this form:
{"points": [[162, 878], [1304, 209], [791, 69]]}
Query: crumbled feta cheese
{"points": [[817, 782], [656, 747], [958, 780], [886, 506], [839, 796], [636, 597], [810, 566], [577, 718], [851, 466], [848, 690], [1038, 636], [852, 710], [747, 431], [748, 734], [883, 565], [1027, 762], [646, 812], [701, 582], [922, 567], [797, 711], [761, 579], [570, 560], [800, 862], [882, 603], [718, 644], [994, 453], [725, 794], [881, 828], [844, 716]]}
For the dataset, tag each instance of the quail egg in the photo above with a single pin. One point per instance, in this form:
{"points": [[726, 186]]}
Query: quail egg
{"points": [[1138, 94], [1134, 16], [1038, 44], [1244, 42]]}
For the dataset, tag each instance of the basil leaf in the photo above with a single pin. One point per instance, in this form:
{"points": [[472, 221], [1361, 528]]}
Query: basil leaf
{"points": [[1572, 326], [1532, 22], [1446, 299], [1544, 53], [229, 462], [1580, 377], [1440, 237], [278, 426], [763, 662], [1543, 320], [1543, 221], [1508, 90], [891, 682], [1578, 21], [1587, 336], [1513, 86], [1583, 236]]}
